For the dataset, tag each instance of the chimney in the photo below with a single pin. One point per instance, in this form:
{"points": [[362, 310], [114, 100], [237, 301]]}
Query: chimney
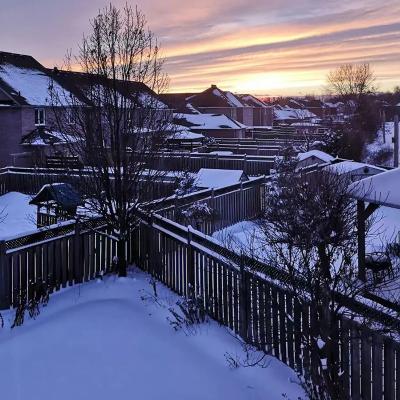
{"points": [[213, 86]]}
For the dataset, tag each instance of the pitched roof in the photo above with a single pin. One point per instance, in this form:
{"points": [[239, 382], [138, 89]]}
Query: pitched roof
{"points": [[213, 178], [45, 137], [25, 80], [325, 157], [207, 121], [63, 194], [81, 84]]}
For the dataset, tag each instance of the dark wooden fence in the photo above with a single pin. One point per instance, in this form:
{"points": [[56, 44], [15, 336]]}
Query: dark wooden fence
{"points": [[230, 205], [31, 180], [181, 161], [262, 312]]}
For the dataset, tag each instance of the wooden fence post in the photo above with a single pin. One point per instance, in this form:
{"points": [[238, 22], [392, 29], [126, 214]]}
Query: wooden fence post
{"points": [[243, 299], [5, 300], [78, 259], [190, 265]]}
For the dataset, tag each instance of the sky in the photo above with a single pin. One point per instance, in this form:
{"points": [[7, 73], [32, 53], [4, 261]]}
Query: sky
{"points": [[263, 47]]}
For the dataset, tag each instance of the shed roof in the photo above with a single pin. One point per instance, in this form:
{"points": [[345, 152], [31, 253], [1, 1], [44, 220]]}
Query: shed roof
{"points": [[213, 178], [316, 154], [63, 194]]}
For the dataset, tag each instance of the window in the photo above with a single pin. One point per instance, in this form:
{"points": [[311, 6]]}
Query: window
{"points": [[40, 116]]}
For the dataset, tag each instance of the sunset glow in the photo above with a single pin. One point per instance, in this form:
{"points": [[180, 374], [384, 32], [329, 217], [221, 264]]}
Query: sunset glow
{"points": [[257, 46]]}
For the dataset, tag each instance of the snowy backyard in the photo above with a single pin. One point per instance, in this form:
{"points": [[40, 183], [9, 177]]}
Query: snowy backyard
{"points": [[101, 340], [16, 215]]}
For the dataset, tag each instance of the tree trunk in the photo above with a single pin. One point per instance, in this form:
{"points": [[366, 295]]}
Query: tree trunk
{"points": [[122, 263]]}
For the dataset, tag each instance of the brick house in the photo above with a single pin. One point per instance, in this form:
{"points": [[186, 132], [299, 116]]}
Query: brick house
{"points": [[26, 113], [243, 108], [25, 105]]}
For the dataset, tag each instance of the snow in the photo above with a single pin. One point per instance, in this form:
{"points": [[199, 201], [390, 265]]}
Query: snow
{"points": [[147, 100], [32, 84], [286, 112], [380, 189], [19, 216], [385, 230], [210, 121], [213, 178], [325, 157], [378, 145], [233, 99], [221, 153], [100, 340], [246, 237], [187, 135]]}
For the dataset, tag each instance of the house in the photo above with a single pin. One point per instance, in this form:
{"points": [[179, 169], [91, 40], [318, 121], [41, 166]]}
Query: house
{"points": [[27, 118], [244, 108], [25, 104], [214, 178]]}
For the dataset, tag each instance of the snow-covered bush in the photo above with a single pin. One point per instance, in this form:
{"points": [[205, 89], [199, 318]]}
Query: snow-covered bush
{"points": [[197, 213], [186, 184]]}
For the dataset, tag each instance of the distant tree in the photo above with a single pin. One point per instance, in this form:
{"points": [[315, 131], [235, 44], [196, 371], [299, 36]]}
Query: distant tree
{"points": [[351, 81], [112, 124], [354, 84]]}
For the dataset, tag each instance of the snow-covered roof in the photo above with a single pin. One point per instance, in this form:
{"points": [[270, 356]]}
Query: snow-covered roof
{"points": [[286, 112], [31, 84], [213, 178], [345, 167], [208, 121], [379, 189], [45, 137], [187, 135], [325, 157]]}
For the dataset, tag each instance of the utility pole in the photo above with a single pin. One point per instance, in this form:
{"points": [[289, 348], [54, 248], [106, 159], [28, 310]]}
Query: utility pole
{"points": [[396, 141], [384, 126]]}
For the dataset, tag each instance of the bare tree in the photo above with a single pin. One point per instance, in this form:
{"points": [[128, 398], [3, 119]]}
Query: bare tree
{"points": [[354, 84], [351, 81], [309, 231], [111, 118]]}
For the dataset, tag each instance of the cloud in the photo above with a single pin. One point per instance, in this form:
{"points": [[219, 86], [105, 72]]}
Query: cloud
{"points": [[246, 44]]}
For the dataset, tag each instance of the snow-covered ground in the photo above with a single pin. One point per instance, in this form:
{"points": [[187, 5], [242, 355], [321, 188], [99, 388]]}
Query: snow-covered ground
{"points": [[380, 145], [16, 215], [101, 341]]}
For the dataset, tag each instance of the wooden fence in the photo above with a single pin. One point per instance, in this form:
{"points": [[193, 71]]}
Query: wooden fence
{"points": [[181, 161], [31, 180], [251, 303], [262, 312], [230, 205]]}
